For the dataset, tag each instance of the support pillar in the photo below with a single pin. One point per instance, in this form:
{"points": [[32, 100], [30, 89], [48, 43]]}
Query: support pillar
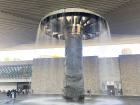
{"points": [[73, 82], [72, 25]]}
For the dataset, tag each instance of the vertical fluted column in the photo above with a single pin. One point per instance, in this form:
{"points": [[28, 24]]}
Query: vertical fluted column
{"points": [[74, 83]]}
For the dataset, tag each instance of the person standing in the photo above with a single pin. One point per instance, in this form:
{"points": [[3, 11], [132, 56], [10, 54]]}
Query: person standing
{"points": [[8, 93], [13, 95]]}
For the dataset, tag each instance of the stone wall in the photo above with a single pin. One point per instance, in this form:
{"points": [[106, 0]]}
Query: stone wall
{"points": [[48, 75], [91, 75], [130, 74], [109, 72]]}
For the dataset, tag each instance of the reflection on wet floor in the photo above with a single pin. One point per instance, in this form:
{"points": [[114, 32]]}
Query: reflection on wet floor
{"points": [[58, 100], [61, 101]]}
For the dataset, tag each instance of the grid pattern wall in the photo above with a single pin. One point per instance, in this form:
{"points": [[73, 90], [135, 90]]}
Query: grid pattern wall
{"points": [[15, 71]]}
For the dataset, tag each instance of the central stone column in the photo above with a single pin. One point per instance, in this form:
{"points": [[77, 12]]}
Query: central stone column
{"points": [[72, 25], [74, 82]]}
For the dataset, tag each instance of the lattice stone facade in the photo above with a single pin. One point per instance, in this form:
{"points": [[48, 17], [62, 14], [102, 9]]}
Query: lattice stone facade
{"points": [[16, 71]]}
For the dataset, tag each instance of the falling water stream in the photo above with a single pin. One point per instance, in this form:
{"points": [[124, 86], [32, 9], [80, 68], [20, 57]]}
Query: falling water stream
{"points": [[91, 26]]}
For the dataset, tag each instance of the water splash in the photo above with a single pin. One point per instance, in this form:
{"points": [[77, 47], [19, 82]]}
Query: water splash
{"points": [[89, 24], [54, 28]]}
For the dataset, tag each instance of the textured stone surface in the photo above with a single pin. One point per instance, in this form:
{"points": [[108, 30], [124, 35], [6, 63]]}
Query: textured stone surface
{"points": [[130, 74], [109, 70], [48, 75], [74, 83], [48, 79], [91, 75]]}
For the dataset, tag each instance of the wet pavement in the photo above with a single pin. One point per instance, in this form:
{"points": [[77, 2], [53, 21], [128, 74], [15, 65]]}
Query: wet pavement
{"points": [[58, 100]]}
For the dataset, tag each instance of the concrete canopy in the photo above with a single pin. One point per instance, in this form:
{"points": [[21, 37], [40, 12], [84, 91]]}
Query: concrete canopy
{"points": [[19, 19]]}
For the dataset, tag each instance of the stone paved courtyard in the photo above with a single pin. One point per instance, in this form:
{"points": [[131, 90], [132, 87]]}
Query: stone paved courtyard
{"points": [[58, 100]]}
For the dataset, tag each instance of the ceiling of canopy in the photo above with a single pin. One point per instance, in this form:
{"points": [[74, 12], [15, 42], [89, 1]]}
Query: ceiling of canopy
{"points": [[19, 19]]}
